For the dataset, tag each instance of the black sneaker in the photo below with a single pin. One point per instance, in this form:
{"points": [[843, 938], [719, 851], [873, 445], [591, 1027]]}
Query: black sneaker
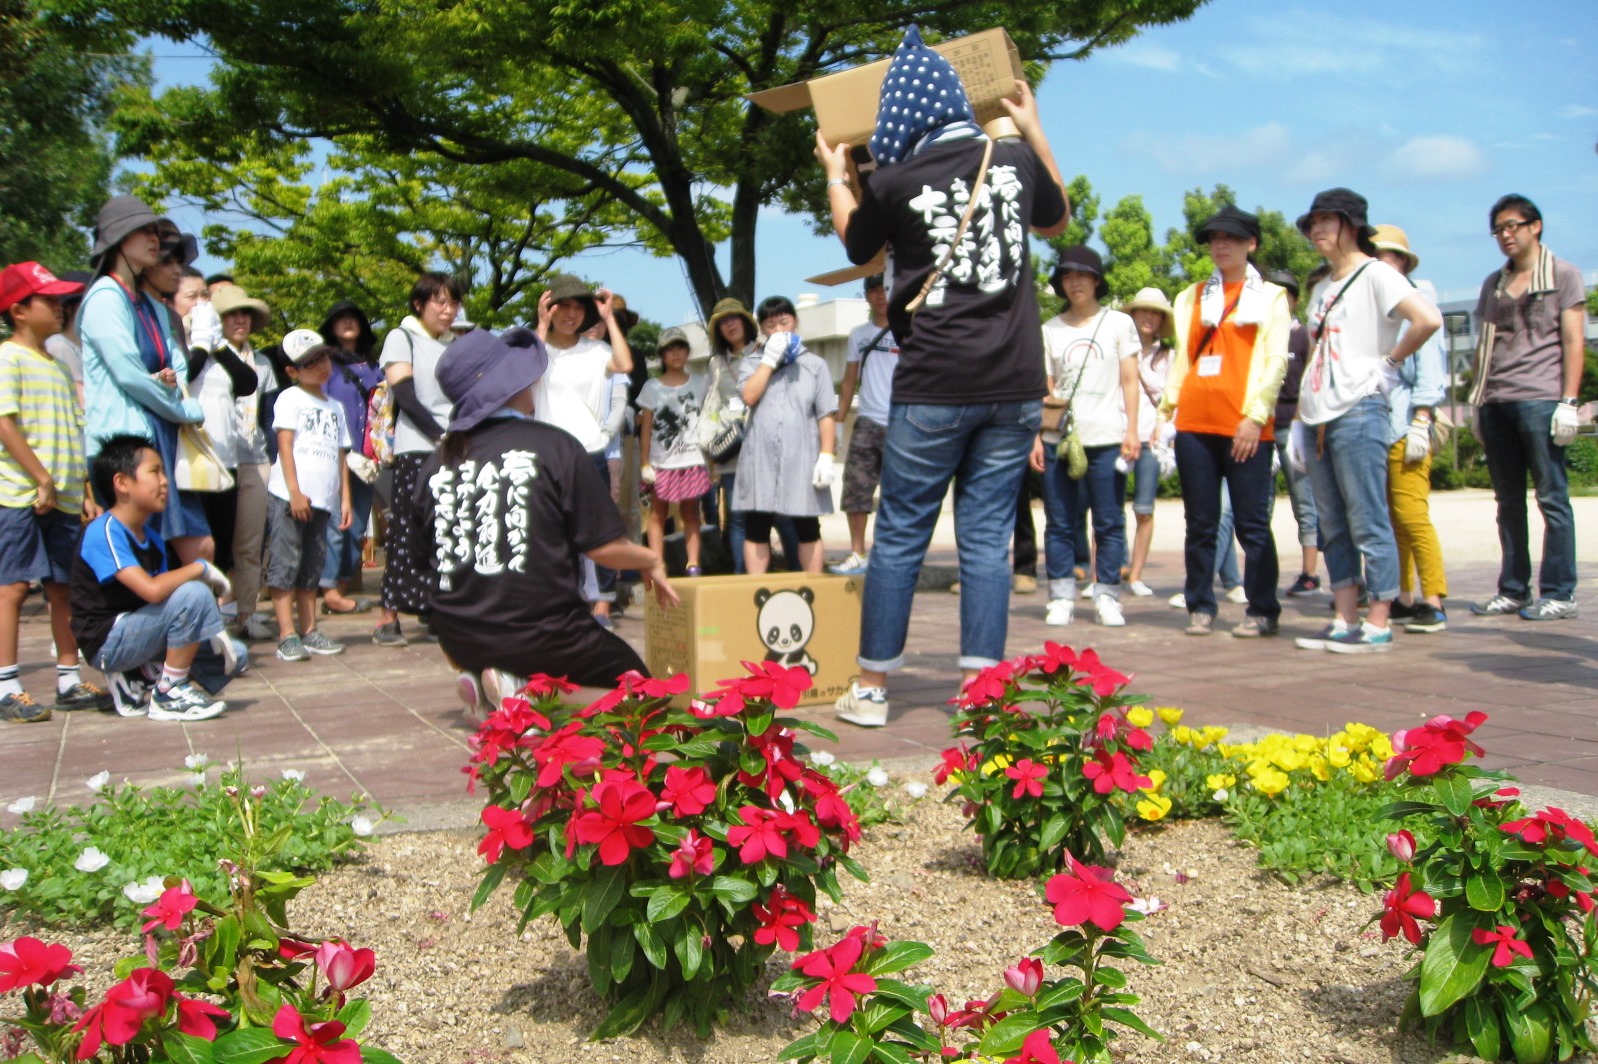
{"points": [[1304, 585], [1426, 618], [22, 709], [82, 696], [1402, 611]]}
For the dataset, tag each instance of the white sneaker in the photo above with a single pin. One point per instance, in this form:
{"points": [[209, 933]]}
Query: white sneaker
{"points": [[1237, 595], [1060, 612], [1177, 601], [499, 685], [258, 626], [130, 692], [864, 706], [1108, 607], [1142, 590], [1088, 591], [184, 702], [853, 565]]}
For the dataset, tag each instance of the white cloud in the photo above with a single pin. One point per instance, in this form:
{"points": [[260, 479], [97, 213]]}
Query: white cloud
{"points": [[1150, 56], [1438, 158], [1317, 42], [1264, 146], [1578, 110]]}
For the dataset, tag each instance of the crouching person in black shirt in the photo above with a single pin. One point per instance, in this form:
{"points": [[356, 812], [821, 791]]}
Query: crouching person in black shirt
{"points": [[509, 505]]}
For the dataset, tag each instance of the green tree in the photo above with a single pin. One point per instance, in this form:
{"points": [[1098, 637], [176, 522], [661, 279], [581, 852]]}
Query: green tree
{"points": [[641, 102], [1282, 247], [57, 88], [1084, 213], [1136, 261]]}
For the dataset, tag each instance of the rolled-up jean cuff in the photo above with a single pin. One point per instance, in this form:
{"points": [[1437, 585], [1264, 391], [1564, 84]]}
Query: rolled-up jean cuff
{"points": [[969, 662], [890, 665]]}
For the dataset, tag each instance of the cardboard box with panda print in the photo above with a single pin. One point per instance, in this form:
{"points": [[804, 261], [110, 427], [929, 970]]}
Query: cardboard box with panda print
{"points": [[792, 618]]}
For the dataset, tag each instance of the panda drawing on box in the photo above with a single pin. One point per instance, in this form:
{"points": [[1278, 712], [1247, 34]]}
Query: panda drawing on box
{"points": [[786, 621]]}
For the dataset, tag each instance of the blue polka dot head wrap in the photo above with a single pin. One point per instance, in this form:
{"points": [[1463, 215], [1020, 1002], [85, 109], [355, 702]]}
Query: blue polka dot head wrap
{"points": [[922, 92]]}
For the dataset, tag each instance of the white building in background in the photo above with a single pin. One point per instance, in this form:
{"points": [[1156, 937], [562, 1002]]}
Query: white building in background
{"points": [[825, 327]]}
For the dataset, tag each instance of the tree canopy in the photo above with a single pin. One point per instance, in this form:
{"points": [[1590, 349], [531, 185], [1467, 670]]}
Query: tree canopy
{"points": [[629, 106]]}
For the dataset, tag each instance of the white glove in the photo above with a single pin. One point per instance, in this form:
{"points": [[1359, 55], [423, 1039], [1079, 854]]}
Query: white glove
{"points": [[1121, 467], [362, 468], [205, 327], [1167, 432], [1276, 461], [1167, 460], [1387, 378], [1417, 441], [825, 471], [216, 580], [1563, 426], [647, 474], [781, 349], [1298, 447]]}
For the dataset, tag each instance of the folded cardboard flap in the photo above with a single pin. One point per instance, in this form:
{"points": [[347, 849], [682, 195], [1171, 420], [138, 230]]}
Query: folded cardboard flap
{"points": [[878, 264], [846, 102]]}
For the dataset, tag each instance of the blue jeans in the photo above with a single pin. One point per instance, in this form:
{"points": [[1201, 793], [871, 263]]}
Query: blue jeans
{"points": [[1301, 493], [983, 448], [1225, 553], [344, 547], [1209, 473], [1349, 474], [188, 616], [1101, 489], [1516, 442]]}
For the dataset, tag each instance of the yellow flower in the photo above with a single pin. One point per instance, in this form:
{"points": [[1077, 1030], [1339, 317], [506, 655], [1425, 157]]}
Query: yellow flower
{"points": [[1153, 807], [1183, 734], [1156, 780], [1306, 743], [1140, 716], [998, 763], [1219, 780], [1270, 782], [1319, 768], [1365, 770], [1338, 757], [1381, 748], [1210, 734], [1289, 760], [1170, 715]]}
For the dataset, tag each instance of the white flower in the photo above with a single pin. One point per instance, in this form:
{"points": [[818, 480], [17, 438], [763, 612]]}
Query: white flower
{"points": [[1148, 905], [362, 826], [878, 776], [1220, 795], [91, 860], [294, 774], [916, 789], [144, 893], [821, 759], [195, 762], [23, 805], [97, 782], [13, 878], [196, 780]]}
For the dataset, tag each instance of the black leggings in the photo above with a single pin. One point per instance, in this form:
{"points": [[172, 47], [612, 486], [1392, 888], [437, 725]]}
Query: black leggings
{"points": [[757, 526]]}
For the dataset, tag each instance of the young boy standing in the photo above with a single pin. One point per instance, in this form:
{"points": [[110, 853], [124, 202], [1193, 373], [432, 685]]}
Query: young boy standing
{"points": [[309, 481], [129, 611], [41, 486]]}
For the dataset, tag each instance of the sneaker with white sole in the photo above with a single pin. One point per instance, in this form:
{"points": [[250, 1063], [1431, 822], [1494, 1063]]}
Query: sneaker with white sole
{"points": [[1318, 641], [1237, 595], [1366, 639], [1498, 606], [1088, 592], [317, 643], [1253, 627], [1060, 612], [258, 627], [863, 706], [184, 702], [854, 565], [292, 649], [499, 685], [1108, 609], [1200, 624], [130, 692], [1427, 619], [1140, 589], [470, 692], [1177, 601], [1547, 609]]}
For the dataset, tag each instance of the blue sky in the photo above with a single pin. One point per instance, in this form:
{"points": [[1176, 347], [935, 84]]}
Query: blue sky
{"points": [[1431, 111]]}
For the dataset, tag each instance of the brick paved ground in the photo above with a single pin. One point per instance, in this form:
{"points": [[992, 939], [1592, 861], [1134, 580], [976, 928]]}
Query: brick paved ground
{"points": [[386, 721]]}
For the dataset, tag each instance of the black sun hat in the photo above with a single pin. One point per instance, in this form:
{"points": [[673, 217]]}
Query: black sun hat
{"points": [[1079, 258], [1351, 206]]}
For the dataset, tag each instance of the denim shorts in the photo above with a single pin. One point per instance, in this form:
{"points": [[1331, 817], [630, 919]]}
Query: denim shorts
{"points": [[37, 546], [295, 550], [1146, 481]]}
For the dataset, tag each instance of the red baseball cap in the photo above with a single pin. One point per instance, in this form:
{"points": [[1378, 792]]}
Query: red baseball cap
{"points": [[27, 279]]}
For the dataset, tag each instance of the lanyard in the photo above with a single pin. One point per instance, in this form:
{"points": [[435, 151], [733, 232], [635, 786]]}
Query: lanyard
{"points": [[145, 318], [1225, 313]]}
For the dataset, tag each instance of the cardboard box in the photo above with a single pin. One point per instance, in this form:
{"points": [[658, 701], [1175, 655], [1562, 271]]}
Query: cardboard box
{"points": [[794, 618], [846, 102]]}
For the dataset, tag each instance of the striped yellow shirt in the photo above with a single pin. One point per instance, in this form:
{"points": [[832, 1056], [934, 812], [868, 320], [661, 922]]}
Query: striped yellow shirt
{"points": [[37, 391]]}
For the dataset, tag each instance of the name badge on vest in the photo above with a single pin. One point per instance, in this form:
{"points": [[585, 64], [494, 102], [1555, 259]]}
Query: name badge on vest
{"points": [[1209, 366]]}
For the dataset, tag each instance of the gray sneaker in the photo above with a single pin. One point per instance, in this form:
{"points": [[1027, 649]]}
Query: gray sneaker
{"points": [[20, 708], [1498, 605], [317, 643], [292, 649], [1547, 609], [184, 702], [389, 635]]}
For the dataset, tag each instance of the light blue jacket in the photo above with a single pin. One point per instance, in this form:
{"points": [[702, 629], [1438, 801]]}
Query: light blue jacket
{"points": [[120, 394], [1422, 377]]}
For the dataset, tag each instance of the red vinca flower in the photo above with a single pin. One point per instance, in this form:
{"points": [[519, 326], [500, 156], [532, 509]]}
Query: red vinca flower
{"points": [[830, 807], [839, 984], [760, 835], [687, 790], [1028, 776], [1087, 895], [1098, 676], [614, 825], [1403, 904], [988, 686], [29, 962], [1505, 945], [780, 919], [565, 747], [171, 907], [1037, 1049], [1055, 656], [1428, 749], [781, 685], [198, 1018], [344, 966], [506, 827], [696, 855], [318, 1043], [1114, 772], [1552, 825], [117, 1019], [955, 759]]}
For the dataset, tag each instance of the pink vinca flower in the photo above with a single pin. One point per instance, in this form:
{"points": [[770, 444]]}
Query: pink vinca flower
{"points": [[1028, 776], [1505, 945], [343, 966], [759, 836], [1428, 749], [1037, 1049], [1025, 976], [317, 1043], [1115, 771], [506, 827], [169, 910], [1403, 904], [199, 1018], [1401, 844], [696, 856], [780, 919], [29, 962], [116, 1020], [840, 983], [1087, 895], [614, 824], [687, 791]]}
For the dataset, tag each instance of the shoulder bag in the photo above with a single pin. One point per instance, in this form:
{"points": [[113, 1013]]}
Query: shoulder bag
{"points": [[199, 467]]}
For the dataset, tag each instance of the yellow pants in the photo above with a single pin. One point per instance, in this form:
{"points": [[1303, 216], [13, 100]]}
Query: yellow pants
{"points": [[1408, 487]]}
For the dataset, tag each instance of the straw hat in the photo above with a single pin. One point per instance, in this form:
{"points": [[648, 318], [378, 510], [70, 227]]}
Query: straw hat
{"points": [[727, 308], [232, 298], [1152, 298], [1392, 238]]}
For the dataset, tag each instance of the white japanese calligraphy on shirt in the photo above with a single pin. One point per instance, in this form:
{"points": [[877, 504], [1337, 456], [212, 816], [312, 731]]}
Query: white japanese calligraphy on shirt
{"points": [[480, 515]]}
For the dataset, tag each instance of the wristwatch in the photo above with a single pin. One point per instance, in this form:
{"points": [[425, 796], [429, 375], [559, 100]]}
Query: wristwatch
{"points": [[1570, 400]]}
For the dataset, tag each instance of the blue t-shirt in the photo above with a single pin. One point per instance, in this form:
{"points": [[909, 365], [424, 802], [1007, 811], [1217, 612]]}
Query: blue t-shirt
{"points": [[98, 597]]}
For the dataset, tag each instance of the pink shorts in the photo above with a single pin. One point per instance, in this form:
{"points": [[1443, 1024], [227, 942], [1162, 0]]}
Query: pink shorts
{"points": [[676, 485]]}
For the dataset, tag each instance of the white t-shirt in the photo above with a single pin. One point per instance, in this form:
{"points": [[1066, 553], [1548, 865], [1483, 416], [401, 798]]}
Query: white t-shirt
{"points": [[1152, 371], [61, 348], [876, 376], [421, 352], [1094, 351], [1345, 365], [574, 391], [674, 430], [319, 434]]}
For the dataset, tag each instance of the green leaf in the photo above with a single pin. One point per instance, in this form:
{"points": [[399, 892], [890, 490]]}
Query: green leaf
{"points": [[690, 950], [355, 1015], [804, 1046], [850, 1048], [667, 902], [622, 952], [1455, 794], [185, 1049], [1530, 1034], [1066, 990], [732, 889], [374, 1055], [890, 1054], [1128, 1018], [248, 1045], [897, 956], [602, 896], [649, 941], [1054, 830], [627, 1016], [1485, 892], [490, 883], [1481, 1024], [1453, 964], [1006, 1036]]}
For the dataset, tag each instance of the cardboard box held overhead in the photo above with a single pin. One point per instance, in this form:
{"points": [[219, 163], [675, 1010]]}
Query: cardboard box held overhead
{"points": [[846, 102], [791, 618]]}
